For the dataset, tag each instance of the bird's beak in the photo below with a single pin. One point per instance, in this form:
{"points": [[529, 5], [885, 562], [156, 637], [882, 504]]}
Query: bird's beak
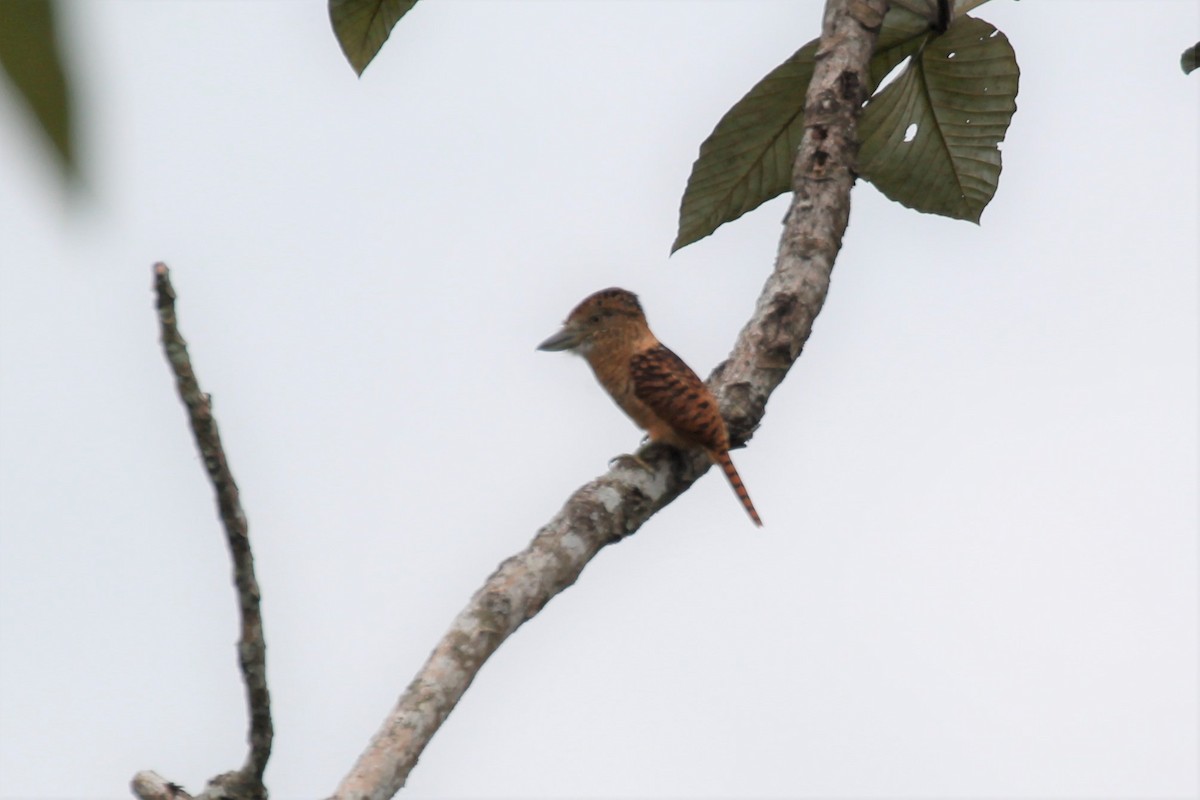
{"points": [[566, 339]]}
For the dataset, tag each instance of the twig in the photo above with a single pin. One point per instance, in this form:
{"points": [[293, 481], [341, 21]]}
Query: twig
{"points": [[616, 504], [247, 781], [152, 786]]}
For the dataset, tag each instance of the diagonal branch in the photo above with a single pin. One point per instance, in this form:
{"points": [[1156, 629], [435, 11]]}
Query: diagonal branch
{"points": [[252, 650], [616, 504], [152, 786]]}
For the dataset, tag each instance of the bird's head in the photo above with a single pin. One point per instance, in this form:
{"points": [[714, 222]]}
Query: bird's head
{"points": [[610, 315]]}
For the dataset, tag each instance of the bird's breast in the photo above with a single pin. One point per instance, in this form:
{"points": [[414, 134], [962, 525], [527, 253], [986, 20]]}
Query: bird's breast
{"points": [[611, 367]]}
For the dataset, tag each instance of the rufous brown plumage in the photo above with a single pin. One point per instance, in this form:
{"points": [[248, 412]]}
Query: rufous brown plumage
{"points": [[651, 384]]}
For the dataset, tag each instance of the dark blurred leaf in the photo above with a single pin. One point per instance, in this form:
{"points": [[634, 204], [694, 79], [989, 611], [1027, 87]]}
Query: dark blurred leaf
{"points": [[362, 26], [961, 7], [747, 159], [960, 93], [930, 9], [1188, 61], [29, 56]]}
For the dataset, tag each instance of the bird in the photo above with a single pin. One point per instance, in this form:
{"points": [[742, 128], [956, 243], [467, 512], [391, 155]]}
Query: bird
{"points": [[652, 385]]}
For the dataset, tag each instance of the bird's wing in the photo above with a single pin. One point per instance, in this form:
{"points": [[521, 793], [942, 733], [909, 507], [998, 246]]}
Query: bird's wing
{"points": [[677, 395]]}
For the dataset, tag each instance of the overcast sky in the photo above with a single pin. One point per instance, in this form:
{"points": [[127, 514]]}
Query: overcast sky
{"points": [[978, 575]]}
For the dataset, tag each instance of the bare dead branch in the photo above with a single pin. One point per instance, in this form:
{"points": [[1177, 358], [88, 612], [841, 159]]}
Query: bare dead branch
{"points": [[616, 504], [152, 786], [247, 781]]}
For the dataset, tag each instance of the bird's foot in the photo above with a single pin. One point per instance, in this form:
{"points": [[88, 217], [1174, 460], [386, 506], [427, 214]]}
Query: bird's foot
{"points": [[649, 449], [629, 459]]}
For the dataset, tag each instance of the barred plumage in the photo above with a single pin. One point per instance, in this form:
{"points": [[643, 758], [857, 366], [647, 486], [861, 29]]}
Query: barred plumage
{"points": [[651, 384]]}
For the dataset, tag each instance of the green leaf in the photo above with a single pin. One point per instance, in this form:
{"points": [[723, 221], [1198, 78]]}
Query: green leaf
{"points": [[747, 159], [930, 11], [362, 26], [960, 93], [29, 56], [1188, 61], [902, 35]]}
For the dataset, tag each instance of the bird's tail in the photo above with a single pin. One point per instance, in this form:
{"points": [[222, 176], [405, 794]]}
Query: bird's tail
{"points": [[735, 481]]}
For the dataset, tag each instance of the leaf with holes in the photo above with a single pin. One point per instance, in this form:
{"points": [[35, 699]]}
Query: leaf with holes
{"points": [[747, 159], [362, 26], [29, 55], [930, 139]]}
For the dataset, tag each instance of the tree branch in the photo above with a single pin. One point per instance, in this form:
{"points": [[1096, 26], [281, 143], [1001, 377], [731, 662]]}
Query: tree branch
{"points": [[252, 650], [616, 504], [152, 786]]}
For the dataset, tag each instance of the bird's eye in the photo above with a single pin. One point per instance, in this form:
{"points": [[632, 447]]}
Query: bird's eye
{"points": [[595, 318]]}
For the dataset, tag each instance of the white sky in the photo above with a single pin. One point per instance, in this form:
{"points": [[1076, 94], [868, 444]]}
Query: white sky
{"points": [[978, 575]]}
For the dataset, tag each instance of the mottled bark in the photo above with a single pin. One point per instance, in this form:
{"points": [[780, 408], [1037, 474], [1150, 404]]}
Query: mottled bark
{"points": [[152, 786]]}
